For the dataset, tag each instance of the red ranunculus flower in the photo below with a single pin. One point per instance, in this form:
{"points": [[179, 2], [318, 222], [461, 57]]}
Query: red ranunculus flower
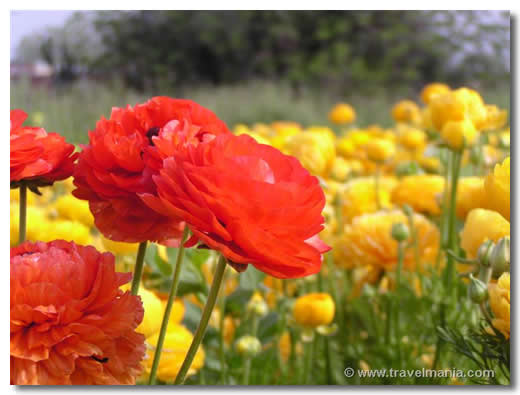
{"points": [[123, 154], [248, 201], [38, 157], [70, 321]]}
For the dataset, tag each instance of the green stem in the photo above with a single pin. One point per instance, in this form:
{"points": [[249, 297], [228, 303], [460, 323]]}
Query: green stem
{"points": [[203, 324], [138, 269], [400, 259], [309, 357], [168, 309], [23, 213], [221, 351], [452, 239], [248, 360]]}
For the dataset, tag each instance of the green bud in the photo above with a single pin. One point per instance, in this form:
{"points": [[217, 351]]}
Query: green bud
{"points": [[248, 346], [478, 292], [484, 252], [500, 257], [368, 291], [400, 232], [257, 307], [408, 169], [408, 211], [504, 143]]}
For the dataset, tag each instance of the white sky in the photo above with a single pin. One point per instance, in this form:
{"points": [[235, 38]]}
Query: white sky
{"points": [[26, 22]]}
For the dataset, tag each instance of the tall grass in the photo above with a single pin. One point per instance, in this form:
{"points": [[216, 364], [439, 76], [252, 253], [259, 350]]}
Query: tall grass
{"points": [[73, 110]]}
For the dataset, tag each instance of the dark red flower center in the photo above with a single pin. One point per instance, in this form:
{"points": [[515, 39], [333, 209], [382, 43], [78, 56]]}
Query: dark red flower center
{"points": [[151, 133]]}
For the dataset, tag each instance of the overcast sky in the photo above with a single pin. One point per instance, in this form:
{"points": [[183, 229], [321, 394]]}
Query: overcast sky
{"points": [[26, 22]]}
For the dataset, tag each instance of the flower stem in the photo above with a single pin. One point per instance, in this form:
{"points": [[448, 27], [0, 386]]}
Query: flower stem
{"points": [[309, 357], [247, 367], [400, 259], [452, 239], [168, 309], [23, 213], [206, 314], [138, 269]]}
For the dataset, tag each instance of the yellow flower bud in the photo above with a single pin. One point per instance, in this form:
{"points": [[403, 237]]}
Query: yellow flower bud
{"points": [[459, 134], [432, 90], [248, 346], [458, 105], [380, 150], [314, 309], [406, 111], [342, 113]]}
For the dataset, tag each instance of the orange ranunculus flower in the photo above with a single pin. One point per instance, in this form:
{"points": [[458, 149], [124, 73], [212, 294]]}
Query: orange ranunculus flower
{"points": [[123, 154], [37, 156], [70, 322], [248, 201]]}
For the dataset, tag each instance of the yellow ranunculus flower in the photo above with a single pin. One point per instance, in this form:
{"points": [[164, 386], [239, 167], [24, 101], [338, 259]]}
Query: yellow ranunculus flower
{"points": [[331, 223], [368, 241], [176, 344], [406, 111], [412, 138], [346, 147], [263, 130], [118, 247], [422, 192], [470, 195], [153, 313], [342, 113], [240, 128], [282, 135], [458, 105], [459, 134], [430, 164], [496, 118], [316, 151], [432, 90], [259, 138], [341, 169], [67, 230], [314, 309], [379, 150], [69, 207], [358, 196], [482, 225], [500, 303], [498, 189]]}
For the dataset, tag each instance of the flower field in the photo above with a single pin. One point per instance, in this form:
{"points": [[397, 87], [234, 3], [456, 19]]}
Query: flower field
{"points": [[173, 248]]}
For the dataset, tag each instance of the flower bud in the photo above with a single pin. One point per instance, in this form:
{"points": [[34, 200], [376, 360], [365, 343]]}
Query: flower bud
{"points": [[407, 210], [484, 252], [400, 232], [500, 257], [248, 346], [478, 292], [258, 307]]}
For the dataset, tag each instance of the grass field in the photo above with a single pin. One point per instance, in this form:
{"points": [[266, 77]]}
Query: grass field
{"points": [[74, 109]]}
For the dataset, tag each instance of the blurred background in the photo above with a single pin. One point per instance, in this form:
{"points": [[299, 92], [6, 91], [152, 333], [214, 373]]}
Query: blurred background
{"points": [[69, 68]]}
